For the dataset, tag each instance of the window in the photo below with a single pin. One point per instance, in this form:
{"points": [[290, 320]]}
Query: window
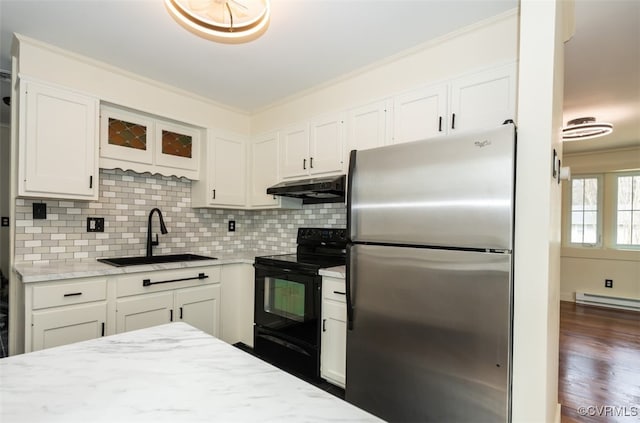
{"points": [[585, 210], [628, 210]]}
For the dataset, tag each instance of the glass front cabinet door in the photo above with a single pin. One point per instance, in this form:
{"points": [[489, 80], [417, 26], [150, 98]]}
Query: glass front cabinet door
{"points": [[136, 141]]}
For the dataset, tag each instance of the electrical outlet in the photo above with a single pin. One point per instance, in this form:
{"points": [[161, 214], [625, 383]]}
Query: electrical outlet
{"points": [[95, 224], [232, 226], [5, 221], [608, 283], [39, 210]]}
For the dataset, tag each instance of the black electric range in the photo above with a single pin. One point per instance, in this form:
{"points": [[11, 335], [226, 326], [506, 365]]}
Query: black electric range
{"points": [[288, 300]]}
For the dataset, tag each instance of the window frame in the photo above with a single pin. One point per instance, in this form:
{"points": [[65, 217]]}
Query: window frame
{"points": [[599, 217], [614, 237]]}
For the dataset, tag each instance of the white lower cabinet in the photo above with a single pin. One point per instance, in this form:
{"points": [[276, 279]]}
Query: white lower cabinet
{"points": [[63, 312], [333, 343], [67, 311], [155, 298], [143, 311], [198, 306], [237, 285], [66, 325]]}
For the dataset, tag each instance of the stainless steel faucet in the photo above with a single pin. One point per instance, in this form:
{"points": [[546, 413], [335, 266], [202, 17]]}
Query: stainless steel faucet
{"points": [[163, 229]]}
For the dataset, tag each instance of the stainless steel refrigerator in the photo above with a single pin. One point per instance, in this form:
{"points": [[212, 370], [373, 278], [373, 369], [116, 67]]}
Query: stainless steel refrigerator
{"points": [[429, 278]]}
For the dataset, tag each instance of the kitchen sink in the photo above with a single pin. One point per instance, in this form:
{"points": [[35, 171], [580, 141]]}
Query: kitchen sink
{"points": [[138, 260]]}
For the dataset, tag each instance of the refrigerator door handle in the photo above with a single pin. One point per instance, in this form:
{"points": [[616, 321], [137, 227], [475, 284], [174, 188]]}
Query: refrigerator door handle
{"points": [[351, 170], [348, 288]]}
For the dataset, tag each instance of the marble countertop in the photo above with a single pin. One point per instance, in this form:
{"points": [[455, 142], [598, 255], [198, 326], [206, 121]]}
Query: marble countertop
{"points": [[56, 270], [172, 372], [335, 272]]}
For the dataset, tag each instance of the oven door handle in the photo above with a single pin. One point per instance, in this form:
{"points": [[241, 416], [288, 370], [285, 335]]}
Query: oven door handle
{"points": [[271, 268], [285, 344]]}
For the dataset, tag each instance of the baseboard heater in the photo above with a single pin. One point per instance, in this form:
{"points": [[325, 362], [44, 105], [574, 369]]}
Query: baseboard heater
{"points": [[607, 301]]}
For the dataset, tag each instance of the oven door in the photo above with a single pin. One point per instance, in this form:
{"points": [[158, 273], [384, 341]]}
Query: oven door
{"points": [[288, 303]]}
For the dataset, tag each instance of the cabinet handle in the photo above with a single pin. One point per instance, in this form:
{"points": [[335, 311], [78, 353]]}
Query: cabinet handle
{"points": [[102, 329], [324, 325], [214, 195], [90, 181], [147, 282], [180, 313], [311, 162], [339, 293], [73, 294], [453, 121], [440, 124], [171, 315], [304, 164]]}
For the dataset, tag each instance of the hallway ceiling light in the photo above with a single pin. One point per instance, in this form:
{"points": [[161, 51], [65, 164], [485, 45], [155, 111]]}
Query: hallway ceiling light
{"points": [[225, 21], [585, 128]]}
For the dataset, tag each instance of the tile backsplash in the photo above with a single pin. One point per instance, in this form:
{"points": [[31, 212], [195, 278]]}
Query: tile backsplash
{"points": [[126, 198]]}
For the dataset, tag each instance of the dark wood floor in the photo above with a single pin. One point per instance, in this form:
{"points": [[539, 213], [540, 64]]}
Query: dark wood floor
{"points": [[599, 364]]}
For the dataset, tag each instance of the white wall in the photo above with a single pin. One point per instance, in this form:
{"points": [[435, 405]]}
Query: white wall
{"points": [[585, 269], [485, 44], [537, 221], [5, 208], [57, 66]]}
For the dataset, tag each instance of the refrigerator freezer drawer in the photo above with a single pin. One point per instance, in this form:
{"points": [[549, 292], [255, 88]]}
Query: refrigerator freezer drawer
{"points": [[431, 336], [454, 191]]}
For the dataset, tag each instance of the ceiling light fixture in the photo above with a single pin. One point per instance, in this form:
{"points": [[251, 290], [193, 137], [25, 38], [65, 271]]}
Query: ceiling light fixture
{"points": [[225, 21], [585, 128]]}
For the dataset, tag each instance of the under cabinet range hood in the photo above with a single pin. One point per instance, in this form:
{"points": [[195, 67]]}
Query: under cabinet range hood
{"points": [[328, 189]]}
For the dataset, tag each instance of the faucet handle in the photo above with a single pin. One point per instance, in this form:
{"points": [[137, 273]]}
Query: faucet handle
{"points": [[156, 242]]}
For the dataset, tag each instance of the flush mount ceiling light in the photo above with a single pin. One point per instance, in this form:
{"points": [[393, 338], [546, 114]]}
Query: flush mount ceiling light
{"points": [[226, 21], [585, 128]]}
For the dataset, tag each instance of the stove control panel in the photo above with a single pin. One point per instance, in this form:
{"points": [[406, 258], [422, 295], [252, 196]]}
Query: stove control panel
{"points": [[322, 235]]}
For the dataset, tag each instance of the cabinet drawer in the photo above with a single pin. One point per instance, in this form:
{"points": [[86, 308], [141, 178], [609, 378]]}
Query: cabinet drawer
{"points": [[60, 294], [333, 289], [163, 280]]}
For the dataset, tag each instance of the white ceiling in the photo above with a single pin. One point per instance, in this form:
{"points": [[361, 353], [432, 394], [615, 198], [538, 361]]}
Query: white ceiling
{"points": [[602, 71], [310, 42]]}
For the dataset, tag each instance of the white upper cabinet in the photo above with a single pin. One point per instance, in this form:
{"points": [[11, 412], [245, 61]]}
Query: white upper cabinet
{"points": [[264, 173], [264, 169], [484, 99], [58, 136], [315, 148], [178, 146], [224, 182], [326, 146], [369, 126], [294, 151], [132, 140], [420, 114], [475, 101]]}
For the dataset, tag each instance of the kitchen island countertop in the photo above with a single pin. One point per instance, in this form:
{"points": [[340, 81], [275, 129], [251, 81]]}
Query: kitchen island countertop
{"points": [[172, 372]]}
